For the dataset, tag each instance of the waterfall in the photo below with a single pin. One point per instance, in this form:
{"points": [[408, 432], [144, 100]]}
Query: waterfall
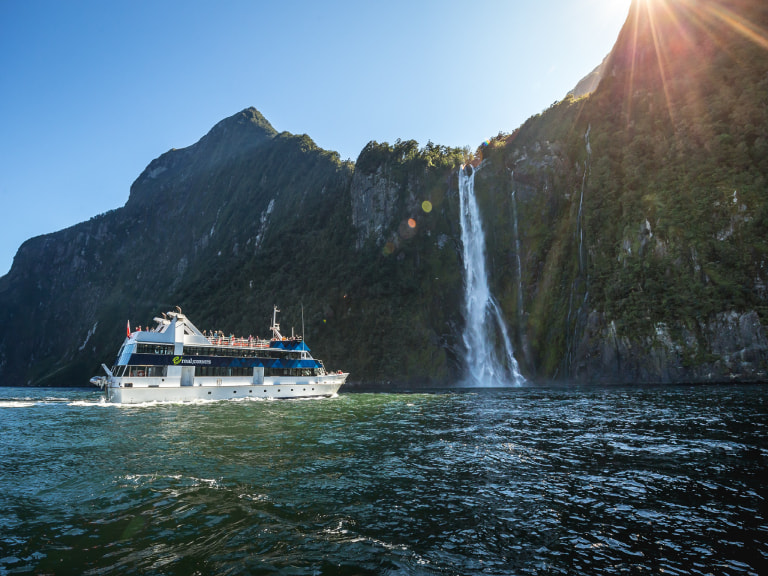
{"points": [[579, 225], [521, 336], [484, 321], [517, 253], [582, 277]]}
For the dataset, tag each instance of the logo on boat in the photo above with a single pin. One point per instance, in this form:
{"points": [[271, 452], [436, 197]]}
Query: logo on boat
{"points": [[191, 361]]}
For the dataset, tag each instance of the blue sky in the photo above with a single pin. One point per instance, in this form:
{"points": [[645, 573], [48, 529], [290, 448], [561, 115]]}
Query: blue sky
{"points": [[92, 91]]}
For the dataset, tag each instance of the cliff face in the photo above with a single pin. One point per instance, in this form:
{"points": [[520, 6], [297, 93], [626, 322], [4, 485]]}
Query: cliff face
{"points": [[193, 216], [642, 207], [242, 220], [626, 233], [374, 201]]}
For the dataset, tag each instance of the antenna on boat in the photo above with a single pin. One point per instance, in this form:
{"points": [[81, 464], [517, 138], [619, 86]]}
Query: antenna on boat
{"points": [[275, 326], [302, 320]]}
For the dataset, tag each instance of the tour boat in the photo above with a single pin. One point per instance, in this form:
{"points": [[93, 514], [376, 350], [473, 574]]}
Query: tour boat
{"points": [[176, 362]]}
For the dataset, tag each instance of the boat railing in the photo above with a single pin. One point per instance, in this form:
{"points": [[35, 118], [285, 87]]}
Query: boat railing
{"points": [[238, 342]]}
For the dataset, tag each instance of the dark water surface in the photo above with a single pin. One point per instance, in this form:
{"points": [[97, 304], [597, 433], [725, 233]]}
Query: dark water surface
{"points": [[663, 480]]}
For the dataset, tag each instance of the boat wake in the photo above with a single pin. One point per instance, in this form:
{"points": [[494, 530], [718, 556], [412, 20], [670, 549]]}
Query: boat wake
{"points": [[17, 404], [102, 402], [206, 401], [29, 402]]}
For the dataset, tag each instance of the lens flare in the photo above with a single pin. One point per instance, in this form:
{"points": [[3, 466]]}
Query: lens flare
{"points": [[411, 222], [426, 206]]}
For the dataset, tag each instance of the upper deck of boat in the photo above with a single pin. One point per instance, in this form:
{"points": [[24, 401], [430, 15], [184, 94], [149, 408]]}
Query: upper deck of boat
{"points": [[175, 328], [251, 342]]}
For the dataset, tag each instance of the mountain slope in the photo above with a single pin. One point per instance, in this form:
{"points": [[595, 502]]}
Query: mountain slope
{"points": [[627, 232], [648, 263], [244, 219]]}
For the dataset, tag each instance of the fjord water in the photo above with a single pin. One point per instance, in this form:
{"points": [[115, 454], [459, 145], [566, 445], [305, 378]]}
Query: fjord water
{"points": [[524, 480]]}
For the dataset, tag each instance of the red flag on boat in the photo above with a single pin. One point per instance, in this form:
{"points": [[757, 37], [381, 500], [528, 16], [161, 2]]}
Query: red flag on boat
{"points": [[128, 328]]}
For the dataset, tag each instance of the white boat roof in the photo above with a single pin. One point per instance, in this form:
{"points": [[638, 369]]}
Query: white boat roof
{"points": [[171, 328]]}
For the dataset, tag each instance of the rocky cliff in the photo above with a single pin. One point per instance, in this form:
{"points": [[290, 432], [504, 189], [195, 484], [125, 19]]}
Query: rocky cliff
{"points": [[642, 207], [626, 233], [244, 219]]}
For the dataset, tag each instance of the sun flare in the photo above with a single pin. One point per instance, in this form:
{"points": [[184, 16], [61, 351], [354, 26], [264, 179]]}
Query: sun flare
{"points": [[673, 31]]}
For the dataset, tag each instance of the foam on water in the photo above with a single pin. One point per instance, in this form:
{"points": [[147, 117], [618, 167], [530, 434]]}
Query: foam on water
{"points": [[101, 402], [16, 404]]}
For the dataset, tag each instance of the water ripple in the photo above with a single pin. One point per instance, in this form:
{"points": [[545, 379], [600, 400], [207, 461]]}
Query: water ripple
{"points": [[524, 481]]}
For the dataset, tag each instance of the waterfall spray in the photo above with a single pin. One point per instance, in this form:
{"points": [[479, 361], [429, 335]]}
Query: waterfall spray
{"points": [[484, 320]]}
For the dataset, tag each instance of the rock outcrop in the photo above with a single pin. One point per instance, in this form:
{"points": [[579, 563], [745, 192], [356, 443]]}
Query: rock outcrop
{"points": [[374, 205]]}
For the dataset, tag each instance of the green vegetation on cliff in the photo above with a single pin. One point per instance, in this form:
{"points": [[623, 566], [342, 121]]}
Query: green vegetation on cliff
{"points": [[245, 219], [645, 202]]}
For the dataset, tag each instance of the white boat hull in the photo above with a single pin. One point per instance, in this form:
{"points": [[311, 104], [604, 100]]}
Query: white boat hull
{"points": [[139, 393]]}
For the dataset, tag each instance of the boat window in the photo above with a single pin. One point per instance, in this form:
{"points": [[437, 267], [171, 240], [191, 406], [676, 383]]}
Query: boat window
{"points": [[137, 371], [150, 348], [218, 371], [125, 353], [146, 371], [284, 372], [198, 351]]}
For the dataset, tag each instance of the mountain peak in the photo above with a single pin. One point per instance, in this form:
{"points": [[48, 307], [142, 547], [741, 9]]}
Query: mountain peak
{"points": [[232, 137], [250, 122]]}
